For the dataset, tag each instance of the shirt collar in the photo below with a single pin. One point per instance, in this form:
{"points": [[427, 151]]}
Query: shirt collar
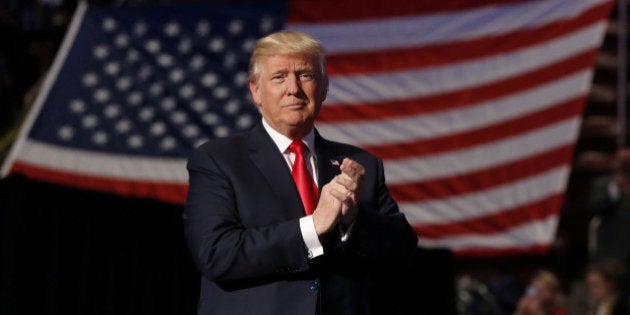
{"points": [[283, 142]]}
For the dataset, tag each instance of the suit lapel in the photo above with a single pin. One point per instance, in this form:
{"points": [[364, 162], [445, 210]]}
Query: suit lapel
{"points": [[268, 159], [327, 161]]}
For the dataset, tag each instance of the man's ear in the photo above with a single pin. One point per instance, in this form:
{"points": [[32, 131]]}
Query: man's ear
{"points": [[324, 90], [255, 92]]}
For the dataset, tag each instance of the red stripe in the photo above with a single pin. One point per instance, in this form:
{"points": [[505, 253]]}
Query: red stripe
{"points": [[460, 98], [494, 223], [171, 193], [487, 134], [321, 11], [502, 252], [482, 179], [439, 54]]}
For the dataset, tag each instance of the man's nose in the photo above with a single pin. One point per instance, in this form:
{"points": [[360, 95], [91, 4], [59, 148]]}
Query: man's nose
{"points": [[293, 85]]}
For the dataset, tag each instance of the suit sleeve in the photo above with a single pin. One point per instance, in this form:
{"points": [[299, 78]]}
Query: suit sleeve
{"points": [[381, 234], [221, 246]]}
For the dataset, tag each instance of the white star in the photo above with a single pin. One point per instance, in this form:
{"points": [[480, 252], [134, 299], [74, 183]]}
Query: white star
{"points": [[210, 119], [199, 105], [203, 28], [111, 110], [109, 24], [102, 95], [77, 106], [165, 60], [112, 68], [248, 45], [145, 72], [244, 121], [134, 98], [229, 60], [221, 131], [100, 138], [123, 83], [172, 29], [135, 141], [184, 46], [266, 24], [216, 45], [65, 132], [168, 143], [158, 128], [156, 89], [121, 40], [187, 91], [241, 78], [90, 79], [197, 62], [179, 117], [191, 131], [152, 45], [123, 126], [132, 56], [89, 121], [176, 75], [221, 92], [140, 29], [100, 52], [235, 27], [232, 107], [146, 114], [209, 79], [168, 104]]}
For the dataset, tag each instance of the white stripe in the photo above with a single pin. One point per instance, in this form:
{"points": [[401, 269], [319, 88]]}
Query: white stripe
{"points": [[457, 120], [487, 202], [422, 30], [423, 82], [526, 235], [73, 29], [104, 165], [484, 156]]}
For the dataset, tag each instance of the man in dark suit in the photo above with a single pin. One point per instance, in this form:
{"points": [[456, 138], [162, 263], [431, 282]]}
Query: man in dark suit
{"points": [[267, 238]]}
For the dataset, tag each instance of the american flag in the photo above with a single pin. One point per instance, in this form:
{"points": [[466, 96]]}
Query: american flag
{"points": [[474, 106]]}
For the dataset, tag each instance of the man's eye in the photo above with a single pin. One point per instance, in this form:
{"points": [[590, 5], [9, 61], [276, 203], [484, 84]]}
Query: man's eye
{"points": [[307, 76]]}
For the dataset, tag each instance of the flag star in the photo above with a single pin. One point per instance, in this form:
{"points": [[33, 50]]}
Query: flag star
{"points": [[209, 79], [100, 52], [109, 24], [168, 104], [157, 128], [200, 105], [89, 121], [121, 40], [235, 27], [156, 89], [146, 114], [145, 72], [187, 91], [102, 95], [266, 24], [132, 56], [123, 83], [248, 45], [197, 62], [241, 78], [140, 29], [65, 132], [111, 111], [176, 75], [210, 119], [232, 107], [172, 29], [221, 92], [123, 126], [112, 68], [229, 60], [203, 28], [165, 60], [179, 117], [134, 98], [191, 131], [216, 45], [168, 143], [77, 106], [244, 121], [221, 131], [152, 45], [135, 141], [100, 138], [184, 46], [90, 79]]}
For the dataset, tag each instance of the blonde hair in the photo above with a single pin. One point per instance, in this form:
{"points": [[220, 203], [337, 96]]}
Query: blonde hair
{"points": [[286, 43], [552, 282]]}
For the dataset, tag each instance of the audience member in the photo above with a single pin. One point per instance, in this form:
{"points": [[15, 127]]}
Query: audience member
{"points": [[603, 281], [543, 296]]}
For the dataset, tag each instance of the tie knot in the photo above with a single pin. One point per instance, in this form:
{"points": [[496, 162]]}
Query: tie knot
{"points": [[297, 147]]}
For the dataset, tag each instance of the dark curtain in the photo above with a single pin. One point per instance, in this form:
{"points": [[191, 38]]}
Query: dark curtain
{"points": [[67, 251]]}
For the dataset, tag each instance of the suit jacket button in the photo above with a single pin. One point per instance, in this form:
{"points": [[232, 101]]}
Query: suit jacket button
{"points": [[314, 285]]}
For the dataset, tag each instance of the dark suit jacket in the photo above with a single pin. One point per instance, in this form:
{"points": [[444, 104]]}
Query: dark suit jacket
{"points": [[242, 226]]}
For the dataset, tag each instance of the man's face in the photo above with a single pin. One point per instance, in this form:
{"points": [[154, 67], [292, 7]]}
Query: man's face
{"points": [[289, 93]]}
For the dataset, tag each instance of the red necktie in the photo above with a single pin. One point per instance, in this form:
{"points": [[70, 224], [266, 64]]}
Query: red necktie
{"points": [[302, 177]]}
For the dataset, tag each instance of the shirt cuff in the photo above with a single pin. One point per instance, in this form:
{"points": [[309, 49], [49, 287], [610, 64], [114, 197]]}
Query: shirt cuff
{"points": [[311, 240], [345, 233]]}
